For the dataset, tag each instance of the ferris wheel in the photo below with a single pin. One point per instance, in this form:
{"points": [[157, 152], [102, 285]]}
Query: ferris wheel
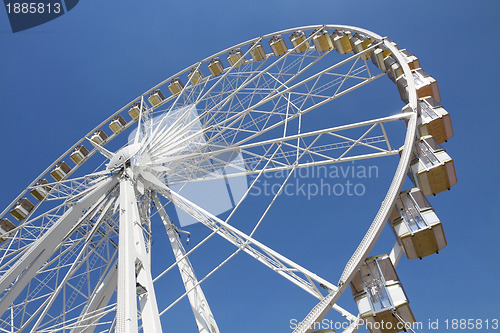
{"points": [[76, 244]]}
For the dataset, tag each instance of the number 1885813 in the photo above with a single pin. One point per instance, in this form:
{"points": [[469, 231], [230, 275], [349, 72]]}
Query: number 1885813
{"points": [[33, 8], [471, 324]]}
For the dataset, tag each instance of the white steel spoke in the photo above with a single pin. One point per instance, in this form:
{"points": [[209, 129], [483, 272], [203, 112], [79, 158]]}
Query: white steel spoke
{"points": [[214, 232], [320, 150], [270, 258], [259, 251]]}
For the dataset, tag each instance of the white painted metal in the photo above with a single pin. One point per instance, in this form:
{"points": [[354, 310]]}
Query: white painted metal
{"points": [[277, 262], [25, 268], [202, 314], [396, 253], [45, 241], [75, 265], [133, 267], [100, 297], [126, 307]]}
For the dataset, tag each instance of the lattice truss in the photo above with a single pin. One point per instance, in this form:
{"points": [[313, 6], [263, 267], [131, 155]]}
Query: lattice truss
{"points": [[63, 285], [256, 109]]}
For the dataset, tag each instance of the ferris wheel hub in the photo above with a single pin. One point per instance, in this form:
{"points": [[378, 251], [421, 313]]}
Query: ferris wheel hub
{"points": [[122, 157]]}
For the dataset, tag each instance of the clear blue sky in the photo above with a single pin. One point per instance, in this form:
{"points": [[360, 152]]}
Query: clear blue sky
{"points": [[59, 80]]}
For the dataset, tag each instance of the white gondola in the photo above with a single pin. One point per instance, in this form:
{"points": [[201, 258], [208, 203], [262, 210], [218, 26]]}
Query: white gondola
{"points": [[5, 227], [175, 86], [432, 169], [322, 40], [195, 76], [410, 59], [99, 137], [41, 189], [117, 124], [341, 41], [393, 68], [359, 44], [215, 67], [298, 41], [22, 208], [60, 171], [393, 44], [425, 84], [156, 97], [235, 58], [135, 110], [278, 45], [79, 154], [378, 56], [416, 225], [257, 52], [379, 294], [433, 119]]}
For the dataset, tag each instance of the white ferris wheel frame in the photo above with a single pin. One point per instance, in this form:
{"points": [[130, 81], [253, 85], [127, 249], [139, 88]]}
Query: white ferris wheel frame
{"points": [[130, 248]]}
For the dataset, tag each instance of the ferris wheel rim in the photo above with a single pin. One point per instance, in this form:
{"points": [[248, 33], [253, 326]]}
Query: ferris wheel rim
{"points": [[410, 133]]}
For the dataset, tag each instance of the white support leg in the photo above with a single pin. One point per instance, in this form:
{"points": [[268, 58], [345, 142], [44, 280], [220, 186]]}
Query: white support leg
{"points": [[133, 259], [149, 308], [126, 316], [201, 310]]}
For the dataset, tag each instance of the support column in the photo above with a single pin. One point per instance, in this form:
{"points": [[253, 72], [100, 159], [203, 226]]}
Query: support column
{"points": [[134, 274], [203, 315]]}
